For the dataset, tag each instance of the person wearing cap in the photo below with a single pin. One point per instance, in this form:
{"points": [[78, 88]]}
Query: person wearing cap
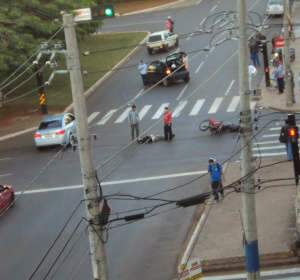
{"points": [[170, 24], [215, 171], [134, 120], [167, 119]]}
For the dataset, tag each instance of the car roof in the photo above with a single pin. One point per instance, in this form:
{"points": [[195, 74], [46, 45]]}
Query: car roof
{"points": [[158, 32], [53, 117]]}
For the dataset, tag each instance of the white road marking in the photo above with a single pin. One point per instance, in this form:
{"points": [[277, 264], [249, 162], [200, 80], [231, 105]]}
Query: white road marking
{"points": [[144, 111], [233, 104], [229, 87], [270, 135], [275, 128], [199, 67], [182, 92], [160, 111], [6, 175], [202, 21], [92, 116], [123, 116], [6, 158], [266, 142], [215, 106], [268, 148], [269, 154], [197, 107], [213, 8], [179, 108], [108, 115], [118, 182], [212, 49]]}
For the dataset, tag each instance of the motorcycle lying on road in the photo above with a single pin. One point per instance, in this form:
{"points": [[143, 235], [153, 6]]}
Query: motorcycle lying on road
{"points": [[218, 127]]}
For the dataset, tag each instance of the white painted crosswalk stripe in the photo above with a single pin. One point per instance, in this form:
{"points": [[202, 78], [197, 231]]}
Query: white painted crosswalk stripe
{"points": [[160, 111], [215, 106], [270, 135], [233, 104], [179, 108], [268, 148], [266, 142], [108, 115], [92, 116], [269, 154], [123, 116], [197, 107], [144, 111]]}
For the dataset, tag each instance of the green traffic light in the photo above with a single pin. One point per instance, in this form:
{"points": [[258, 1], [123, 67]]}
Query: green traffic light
{"points": [[108, 12]]}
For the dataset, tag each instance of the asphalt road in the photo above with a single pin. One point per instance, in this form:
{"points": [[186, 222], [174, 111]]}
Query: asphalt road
{"points": [[147, 249]]}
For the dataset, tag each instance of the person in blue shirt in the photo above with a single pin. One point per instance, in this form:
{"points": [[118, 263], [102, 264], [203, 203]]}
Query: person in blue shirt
{"points": [[142, 67], [215, 171]]}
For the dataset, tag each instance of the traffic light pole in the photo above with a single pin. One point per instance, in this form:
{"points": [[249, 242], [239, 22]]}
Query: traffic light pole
{"points": [[288, 75], [264, 47], [248, 191], [92, 199]]}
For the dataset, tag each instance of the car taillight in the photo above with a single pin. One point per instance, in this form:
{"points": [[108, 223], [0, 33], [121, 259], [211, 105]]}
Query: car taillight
{"points": [[60, 132], [168, 71], [37, 135]]}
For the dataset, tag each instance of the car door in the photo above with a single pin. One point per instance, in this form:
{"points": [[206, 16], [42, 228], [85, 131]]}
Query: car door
{"points": [[5, 198], [69, 125]]}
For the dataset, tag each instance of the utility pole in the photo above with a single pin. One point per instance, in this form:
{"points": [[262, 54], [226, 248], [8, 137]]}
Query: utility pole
{"points": [[288, 75], [248, 191], [92, 199]]}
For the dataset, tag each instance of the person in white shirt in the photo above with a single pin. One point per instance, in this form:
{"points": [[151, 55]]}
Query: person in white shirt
{"points": [[143, 71]]}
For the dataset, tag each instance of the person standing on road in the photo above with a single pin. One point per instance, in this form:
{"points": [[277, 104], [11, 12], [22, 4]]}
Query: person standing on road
{"points": [[170, 24], [283, 138], [134, 120], [143, 71], [167, 118], [215, 171]]}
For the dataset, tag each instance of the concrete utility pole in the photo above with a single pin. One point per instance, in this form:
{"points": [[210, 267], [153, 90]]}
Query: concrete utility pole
{"points": [[288, 75], [248, 194], [92, 200]]}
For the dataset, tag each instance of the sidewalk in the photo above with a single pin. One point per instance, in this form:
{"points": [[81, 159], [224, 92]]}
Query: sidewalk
{"points": [[220, 243], [270, 97]]}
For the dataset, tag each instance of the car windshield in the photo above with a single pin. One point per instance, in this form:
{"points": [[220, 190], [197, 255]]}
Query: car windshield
{"points": [[154, 38], [275, 2], [50, 124]]}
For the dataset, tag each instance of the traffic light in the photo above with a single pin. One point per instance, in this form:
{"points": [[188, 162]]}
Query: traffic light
{"points": [[264, 50], [101, 11], [293, 135]]}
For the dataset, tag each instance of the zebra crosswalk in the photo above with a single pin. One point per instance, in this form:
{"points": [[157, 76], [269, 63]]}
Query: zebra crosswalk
{"points": [[269, 144], [226, 104]]}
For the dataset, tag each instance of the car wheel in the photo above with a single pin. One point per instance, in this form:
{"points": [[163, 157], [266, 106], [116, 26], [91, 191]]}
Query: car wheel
{"points": [[149, 51], [186, 79]]}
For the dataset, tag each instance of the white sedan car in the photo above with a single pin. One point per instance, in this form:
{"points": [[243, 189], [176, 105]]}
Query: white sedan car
{"points": [[161, 41], [275, 8]]}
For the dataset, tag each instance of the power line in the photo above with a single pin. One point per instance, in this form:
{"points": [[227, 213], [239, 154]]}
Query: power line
{"points": [[5, 84]]}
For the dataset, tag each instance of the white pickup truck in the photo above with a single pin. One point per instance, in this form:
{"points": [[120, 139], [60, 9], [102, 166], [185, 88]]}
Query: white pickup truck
{"points": [[161, 40]]}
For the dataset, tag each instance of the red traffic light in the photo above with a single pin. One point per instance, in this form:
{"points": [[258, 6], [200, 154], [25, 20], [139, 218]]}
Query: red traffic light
{"points": [[292, 132]]}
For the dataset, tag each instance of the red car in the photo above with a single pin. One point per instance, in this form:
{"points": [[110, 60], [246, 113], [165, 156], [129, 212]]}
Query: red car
{"points": [[7, 197]]}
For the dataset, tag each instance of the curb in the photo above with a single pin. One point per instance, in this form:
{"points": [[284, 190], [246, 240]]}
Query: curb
{"points": [[152, 9], [200, 224], [87, 93]]}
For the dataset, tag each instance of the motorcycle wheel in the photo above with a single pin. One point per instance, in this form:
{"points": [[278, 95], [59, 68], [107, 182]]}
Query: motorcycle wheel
{"points": [[204, 125]]}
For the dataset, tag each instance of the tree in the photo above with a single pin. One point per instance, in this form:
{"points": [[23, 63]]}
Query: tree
{"points": [[24, 24]]}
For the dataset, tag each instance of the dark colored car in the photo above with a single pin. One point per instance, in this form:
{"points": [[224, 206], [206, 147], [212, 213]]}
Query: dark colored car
{"points": [[7, 197], [173, 66]]}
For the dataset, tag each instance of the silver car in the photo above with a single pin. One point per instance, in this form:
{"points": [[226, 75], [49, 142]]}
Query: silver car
{"points": [[55, 130], [275, 7]]}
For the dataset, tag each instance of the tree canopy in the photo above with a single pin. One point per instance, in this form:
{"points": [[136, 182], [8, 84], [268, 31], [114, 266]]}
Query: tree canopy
{"points": [[24, 24]]}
